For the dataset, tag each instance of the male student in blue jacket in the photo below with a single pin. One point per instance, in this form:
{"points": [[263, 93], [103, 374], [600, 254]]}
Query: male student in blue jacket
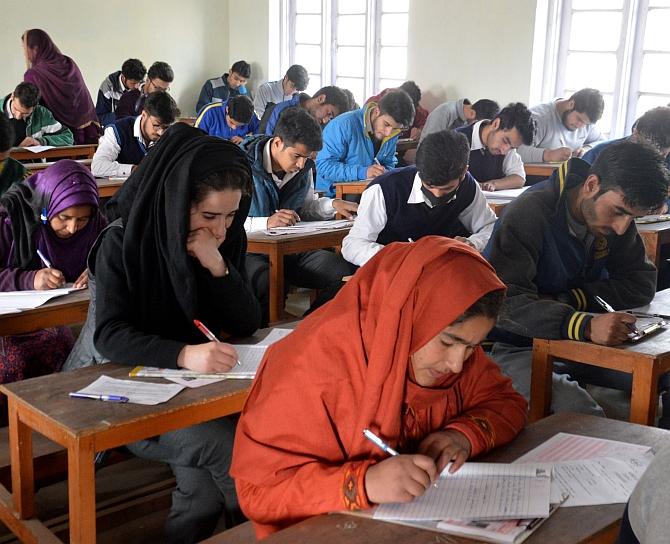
{"points": [[361, 144], [231, 120]]}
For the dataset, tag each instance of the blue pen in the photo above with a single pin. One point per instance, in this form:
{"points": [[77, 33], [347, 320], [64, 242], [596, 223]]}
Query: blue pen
{"points": [[46, 261], [108, 398]]}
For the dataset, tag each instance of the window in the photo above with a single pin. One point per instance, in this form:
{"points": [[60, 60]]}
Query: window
{"points": [[620, 47], [357, 44]]}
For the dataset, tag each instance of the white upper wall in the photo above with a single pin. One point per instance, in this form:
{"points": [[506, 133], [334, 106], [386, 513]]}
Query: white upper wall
{"points": [[471, 49], [192, 37]]}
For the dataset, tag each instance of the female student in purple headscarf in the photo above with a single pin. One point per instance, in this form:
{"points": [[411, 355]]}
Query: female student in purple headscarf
{"points": [[61, 86], [55, 211]]}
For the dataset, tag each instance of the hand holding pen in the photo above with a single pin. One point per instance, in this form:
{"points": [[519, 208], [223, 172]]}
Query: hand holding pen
{"points": [[209, 358], [400, 478], [375, 169], [611, 328], [48, 277]]}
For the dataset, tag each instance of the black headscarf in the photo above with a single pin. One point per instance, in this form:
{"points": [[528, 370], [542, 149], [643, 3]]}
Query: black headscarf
{"points": [[154, 204]]}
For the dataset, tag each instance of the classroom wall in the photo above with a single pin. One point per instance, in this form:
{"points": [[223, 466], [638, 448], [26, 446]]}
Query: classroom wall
{"points": [[192, 37], [249, 37], [471, 48]]}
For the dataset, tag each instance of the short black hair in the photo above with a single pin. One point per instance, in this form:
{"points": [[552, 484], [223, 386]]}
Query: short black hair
{"points": [[398, 105], [134, 69], [590, 102], [485, 108], [241, 109], [160, 104], [487, 305], [654, 126], [298, 75], [518, 116], [242, 68], [353, 105], [442, 157], [161, 70], [297, 126], [412, 89], [6, 134], [637, 170], [335, 97], [28, 94]]}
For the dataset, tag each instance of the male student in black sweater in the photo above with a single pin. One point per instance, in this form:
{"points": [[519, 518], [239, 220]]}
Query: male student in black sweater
{"points": [[494, 162]]}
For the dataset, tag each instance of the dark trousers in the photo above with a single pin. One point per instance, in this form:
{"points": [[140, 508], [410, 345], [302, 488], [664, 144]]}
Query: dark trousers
{"points": [[317, 269], [199, 457]]}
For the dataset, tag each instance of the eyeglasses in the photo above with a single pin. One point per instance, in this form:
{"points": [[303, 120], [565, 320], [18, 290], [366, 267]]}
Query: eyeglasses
{"points": [[166, 89]]}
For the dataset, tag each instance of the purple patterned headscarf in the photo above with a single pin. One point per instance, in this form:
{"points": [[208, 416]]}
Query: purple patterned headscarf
{"points": [[59, 80], [32, 203]]}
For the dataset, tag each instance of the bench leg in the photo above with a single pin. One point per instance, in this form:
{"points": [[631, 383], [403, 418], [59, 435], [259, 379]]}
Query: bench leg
{"points": [[644, 395], [541, 381], [81, 491], [21, 456]]}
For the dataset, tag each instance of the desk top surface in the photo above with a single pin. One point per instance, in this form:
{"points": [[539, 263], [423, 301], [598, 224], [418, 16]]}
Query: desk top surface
{"points": [[568, 525], [653, 227], [261, 236]]}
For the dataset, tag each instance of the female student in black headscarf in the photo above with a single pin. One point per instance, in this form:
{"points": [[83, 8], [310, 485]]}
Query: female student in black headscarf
{"points": [[175, 254]]}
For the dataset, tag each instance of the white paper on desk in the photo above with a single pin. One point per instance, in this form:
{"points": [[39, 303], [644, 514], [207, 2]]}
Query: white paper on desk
{"points": [[504, 193], [27, 300], [480, 491], [136, 391], [37, 148], [312, 226], [597, 481], [567, 447]]}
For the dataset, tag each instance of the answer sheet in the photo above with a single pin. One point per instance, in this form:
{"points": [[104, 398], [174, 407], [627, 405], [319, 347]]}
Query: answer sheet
{"points": [[480, 491], [136, 391], [27, 300]]}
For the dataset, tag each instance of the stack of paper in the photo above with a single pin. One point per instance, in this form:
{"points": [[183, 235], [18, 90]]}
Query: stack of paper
{"points": [[504, 194], [311, 226], [592, 471], [36, 148], [249, 355], [15, 301], [479, 491]]}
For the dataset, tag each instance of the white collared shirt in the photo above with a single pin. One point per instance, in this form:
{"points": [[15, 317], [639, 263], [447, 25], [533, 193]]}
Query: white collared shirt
{"points": [[104, 162], [313, 208], [512, 164], [360, 245]]}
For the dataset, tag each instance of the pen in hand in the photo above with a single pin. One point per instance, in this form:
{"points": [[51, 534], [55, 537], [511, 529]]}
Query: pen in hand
{"points": [[209, 334], [43, 258], [608, 308]]}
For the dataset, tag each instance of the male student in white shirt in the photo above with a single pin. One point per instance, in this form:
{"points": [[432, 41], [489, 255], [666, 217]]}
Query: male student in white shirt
{"points": [[436, 197]]}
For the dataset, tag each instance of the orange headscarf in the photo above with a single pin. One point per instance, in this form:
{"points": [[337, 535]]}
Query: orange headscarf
{"points": [[353, 353]]}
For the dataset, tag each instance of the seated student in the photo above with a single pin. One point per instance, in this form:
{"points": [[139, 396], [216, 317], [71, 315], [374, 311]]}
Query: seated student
{"points": [[62, 87], [420, 113], [177, 254], [646, 518], [232, 120], [326, 104], [33, 124], [458, 113], [437, 196], [228, 85], [55, 212], [565, 127], [652, 128], [273, 92], [361, 144], [283, 194], [126, 141], [115, 85], [397, 351], [565, 241], [494, 162], [159, 78], [10, 170]]}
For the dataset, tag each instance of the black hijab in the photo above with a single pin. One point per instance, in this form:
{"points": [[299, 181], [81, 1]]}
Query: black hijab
{"points": [[154, 205]]}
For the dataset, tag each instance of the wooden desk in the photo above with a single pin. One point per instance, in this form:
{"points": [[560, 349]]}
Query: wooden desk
{"points": [[107, 187], [646, 361], [350, 188], [544, 169], [66, 310], [63, 152], [405, 144], [33, 167], [275, 247], [655, 236], [497, 205], [593, 524], [86, 427]]}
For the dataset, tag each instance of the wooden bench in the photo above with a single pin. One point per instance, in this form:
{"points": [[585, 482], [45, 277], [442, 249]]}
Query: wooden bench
{"points": [[33, 167]]}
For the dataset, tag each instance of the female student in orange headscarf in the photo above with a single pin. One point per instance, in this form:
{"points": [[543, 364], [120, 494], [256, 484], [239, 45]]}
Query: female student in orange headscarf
{"points": [[397, 351]]}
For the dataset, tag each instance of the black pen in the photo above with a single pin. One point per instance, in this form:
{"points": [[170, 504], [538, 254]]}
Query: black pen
{"points": [[644, 314]]}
